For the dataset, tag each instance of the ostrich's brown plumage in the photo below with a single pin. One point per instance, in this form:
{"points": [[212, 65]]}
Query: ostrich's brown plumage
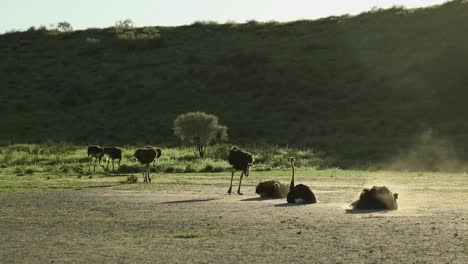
{"points": [[240, 160], [272, 189], [94, 152], [145, 156], [112, 153], [158, 152], [376, 198]]}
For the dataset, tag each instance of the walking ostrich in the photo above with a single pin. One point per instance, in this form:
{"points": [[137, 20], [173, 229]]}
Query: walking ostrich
{"points": [[273, 188], [158, 153], [145, 156], [95, 152], [112, 153], [240, 160], [376, 198], [300, 193]]}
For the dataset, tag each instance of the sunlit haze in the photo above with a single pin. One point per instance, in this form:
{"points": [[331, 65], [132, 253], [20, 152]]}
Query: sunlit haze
{"points": [[21, 14]]}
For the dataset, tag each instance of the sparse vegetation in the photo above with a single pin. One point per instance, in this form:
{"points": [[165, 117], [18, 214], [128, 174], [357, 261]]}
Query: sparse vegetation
{"points": [[132, 179], [351, 87], [65, 160]]}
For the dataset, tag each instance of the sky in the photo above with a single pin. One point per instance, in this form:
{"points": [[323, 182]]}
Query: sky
{"points": [[82, 14]]}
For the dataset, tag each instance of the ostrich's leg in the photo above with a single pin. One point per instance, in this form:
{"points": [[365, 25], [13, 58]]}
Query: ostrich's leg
{"points": [[240, 182], [118, 163], [90, 161], [148, 171], [230, 187], [95, 162], [144, 173], [113, 170]]}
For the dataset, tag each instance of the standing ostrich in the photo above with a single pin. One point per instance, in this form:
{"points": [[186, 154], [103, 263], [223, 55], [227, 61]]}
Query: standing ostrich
{"points": [[376, 198], [112, 153], [95, 152], [273, 188], [158, 152], [300, 193], [145, 156], [240, 160]]}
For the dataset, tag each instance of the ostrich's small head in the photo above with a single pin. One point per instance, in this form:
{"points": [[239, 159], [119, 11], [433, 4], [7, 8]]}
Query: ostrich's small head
{"points": [[395, 196], [292, 159]]}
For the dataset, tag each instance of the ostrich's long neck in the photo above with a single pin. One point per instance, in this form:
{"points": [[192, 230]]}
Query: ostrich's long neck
{"points": [[292, 177]]}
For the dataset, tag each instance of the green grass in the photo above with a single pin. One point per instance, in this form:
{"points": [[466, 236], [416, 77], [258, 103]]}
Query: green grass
{"points": [[64, 166], [71, 160], [357, 89], [56, 180]]}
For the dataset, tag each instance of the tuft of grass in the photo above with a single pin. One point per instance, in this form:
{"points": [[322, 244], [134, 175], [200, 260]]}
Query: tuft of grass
{"points": [[132, 179]]}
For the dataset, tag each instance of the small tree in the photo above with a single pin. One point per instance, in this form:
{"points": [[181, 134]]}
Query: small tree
{"points": [[199, 130], [123, 25], [64, 27]]}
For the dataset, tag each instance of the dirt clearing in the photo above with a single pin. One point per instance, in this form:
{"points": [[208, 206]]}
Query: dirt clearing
{"points": [[196, 222]]}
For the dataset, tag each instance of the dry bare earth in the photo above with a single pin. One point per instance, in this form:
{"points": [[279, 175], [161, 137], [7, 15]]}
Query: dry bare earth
{"points": [[197, 222]]}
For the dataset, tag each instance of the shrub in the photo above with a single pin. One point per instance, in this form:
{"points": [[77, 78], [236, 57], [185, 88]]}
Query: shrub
{"points": [[92, 41], [64, 168], [124, 168], [207, 168], [29, 171], [18, 171], [189, 169], [132, 179], [218, 169], [199, 130], [169, 170]]}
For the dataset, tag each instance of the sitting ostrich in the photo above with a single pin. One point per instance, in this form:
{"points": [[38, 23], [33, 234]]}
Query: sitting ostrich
{"points": [[145, 156], [376, 198], [240, 160], [158, 152], [273, 188], [94, 152], [300, 193], [112, 153]]}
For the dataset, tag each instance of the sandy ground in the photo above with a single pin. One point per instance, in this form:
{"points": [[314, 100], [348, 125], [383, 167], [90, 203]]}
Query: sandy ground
{"points": [[201, 224]]}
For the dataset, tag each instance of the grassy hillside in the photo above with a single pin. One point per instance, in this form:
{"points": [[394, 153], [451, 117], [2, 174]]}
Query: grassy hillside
{"points": [[360, 88]]}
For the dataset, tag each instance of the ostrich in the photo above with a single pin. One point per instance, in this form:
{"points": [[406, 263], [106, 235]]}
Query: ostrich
{"points": [[94, 152], [376, 198], [112, 153], [300, 193], [145, 156], [158, 153], [240, 160], [273, 188]]}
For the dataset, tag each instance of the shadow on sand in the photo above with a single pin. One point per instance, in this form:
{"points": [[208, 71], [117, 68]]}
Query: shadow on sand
{"points": [[253, 199], [357, 211], [190, 201], [290, 204]]}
